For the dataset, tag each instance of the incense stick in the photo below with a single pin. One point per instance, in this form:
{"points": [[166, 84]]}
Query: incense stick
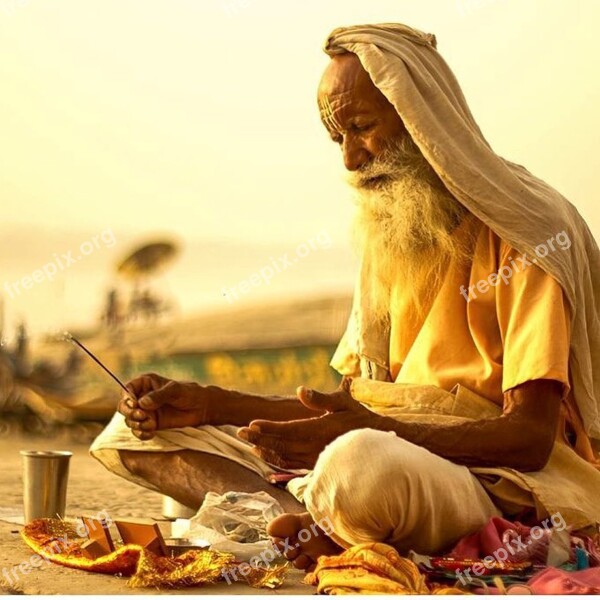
{"points": [[70, 338]]}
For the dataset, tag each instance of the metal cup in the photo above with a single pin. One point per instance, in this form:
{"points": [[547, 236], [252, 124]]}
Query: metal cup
{"points": [[45, 476], [171, 509]]}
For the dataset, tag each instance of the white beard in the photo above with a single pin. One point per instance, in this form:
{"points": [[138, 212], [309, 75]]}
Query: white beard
{"points": [[404, 226]]}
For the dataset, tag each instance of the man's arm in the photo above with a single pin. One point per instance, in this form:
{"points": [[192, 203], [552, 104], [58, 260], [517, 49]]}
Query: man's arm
{"points": [[521, 438], [238, 408], [156, 403]]}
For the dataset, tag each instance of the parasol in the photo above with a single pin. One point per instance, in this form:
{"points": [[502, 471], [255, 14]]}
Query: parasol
{"points": [[147, 259]]}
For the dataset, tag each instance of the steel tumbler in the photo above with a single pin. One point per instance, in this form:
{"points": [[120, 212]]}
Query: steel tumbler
{"points": [[45, 477]]}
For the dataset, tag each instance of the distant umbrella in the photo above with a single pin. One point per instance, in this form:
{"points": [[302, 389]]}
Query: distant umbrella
{"points": [[147, 259]]}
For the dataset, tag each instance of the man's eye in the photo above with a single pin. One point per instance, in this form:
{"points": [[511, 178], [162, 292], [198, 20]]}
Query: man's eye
{"points": [[363, 128]]}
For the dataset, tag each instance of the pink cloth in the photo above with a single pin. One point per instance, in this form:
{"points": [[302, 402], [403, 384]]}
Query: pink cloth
{"points": [[488, 540], [556, 581]]}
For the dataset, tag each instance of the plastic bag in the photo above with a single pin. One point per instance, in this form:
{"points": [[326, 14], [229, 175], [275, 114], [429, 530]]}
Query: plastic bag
{"points": [[236, 522]]}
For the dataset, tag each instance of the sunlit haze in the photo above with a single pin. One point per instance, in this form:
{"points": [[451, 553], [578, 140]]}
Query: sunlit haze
{"points": [[197, 121]]}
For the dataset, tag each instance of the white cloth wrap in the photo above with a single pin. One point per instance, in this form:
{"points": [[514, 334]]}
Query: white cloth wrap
{"points": [[220, 441]]}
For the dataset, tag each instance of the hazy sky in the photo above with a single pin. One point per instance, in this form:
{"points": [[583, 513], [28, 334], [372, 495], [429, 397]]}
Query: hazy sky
{"points": [[199, 117]]}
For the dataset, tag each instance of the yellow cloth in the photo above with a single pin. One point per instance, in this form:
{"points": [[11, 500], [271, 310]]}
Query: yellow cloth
{"points": [[509, 334], [371, 568]]}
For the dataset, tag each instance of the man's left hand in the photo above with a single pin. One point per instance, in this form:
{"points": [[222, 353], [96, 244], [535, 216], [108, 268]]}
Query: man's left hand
{"points": [[297, 444]]}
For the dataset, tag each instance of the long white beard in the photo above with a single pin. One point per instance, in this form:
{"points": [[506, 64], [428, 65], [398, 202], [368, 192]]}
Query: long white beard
{"points": [[404, 226]]}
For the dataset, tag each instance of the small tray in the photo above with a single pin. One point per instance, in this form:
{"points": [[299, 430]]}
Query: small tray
{"points": [[177, 546]]}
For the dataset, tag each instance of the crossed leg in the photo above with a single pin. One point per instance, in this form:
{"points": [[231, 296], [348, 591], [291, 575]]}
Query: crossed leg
{"points": [[372, 486], [188, 475], [367, 486]]}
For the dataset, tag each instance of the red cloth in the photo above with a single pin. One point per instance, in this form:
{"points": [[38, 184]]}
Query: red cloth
{"points": [[488, 540], [556, 581]]}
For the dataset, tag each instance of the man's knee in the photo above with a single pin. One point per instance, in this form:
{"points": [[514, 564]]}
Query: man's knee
{"points": [[352, 462], [147, 464], [133, 461], [355, 451], [349, 483]]}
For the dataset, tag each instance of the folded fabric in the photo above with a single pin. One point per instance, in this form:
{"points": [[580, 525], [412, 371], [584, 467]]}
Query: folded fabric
{"points": [[488, 540], [371, 568], [58, 541], [509, 542]]}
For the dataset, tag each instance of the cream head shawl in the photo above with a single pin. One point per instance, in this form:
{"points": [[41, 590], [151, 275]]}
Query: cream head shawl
{"points": [[520, 208]]}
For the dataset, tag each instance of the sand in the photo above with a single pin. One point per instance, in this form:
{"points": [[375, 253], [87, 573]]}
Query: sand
{"points": [[91, 489]]}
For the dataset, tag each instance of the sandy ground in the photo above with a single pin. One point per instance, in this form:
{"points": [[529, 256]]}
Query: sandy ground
{"points": [[91, 489]]}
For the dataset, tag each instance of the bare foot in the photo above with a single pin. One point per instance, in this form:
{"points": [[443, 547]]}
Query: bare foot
{"points": [[301, 540]]}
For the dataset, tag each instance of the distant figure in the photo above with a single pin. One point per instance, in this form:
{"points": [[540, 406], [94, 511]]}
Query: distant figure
{"points": [[145, 305], [21, 353], [73, 363], [112, 316]]}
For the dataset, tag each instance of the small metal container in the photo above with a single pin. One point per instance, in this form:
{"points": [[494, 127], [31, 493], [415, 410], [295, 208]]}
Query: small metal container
{"points": [[171, 509], [45, 478], [178, 546]]}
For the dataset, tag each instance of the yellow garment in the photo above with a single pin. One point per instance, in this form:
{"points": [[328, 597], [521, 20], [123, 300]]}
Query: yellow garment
{"points": [[371, 568], [514, 332]]}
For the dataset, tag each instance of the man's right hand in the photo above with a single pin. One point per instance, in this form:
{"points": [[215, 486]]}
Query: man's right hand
{"points": [[163, 404]]}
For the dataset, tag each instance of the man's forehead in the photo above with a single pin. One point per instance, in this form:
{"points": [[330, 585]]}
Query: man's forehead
{"points": [[345, 83], [344, 75], [342, 106]]}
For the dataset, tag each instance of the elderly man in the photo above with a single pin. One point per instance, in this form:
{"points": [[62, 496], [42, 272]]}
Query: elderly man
{"points": [[471, 361]]}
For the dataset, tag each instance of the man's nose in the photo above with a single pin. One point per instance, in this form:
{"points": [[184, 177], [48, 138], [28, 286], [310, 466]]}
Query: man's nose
{"points": [[355, 156]]}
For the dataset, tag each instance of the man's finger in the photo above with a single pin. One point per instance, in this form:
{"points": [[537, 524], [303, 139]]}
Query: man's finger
{"points": [[139, 415], [142, 384], [334, 402], [148, 425], [143, 435], [286, 429], [124, 409], [277, 444], [283, 462], [134, 390], [154, 400]]}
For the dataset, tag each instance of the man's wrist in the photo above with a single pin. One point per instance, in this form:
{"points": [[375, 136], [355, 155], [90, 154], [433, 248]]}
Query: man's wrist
{"points": [[221, 405], [383, 423]]}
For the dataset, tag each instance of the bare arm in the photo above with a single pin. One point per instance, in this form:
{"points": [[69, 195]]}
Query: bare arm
{"points": [[237, 408], [521, 438], [163, 403]]}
